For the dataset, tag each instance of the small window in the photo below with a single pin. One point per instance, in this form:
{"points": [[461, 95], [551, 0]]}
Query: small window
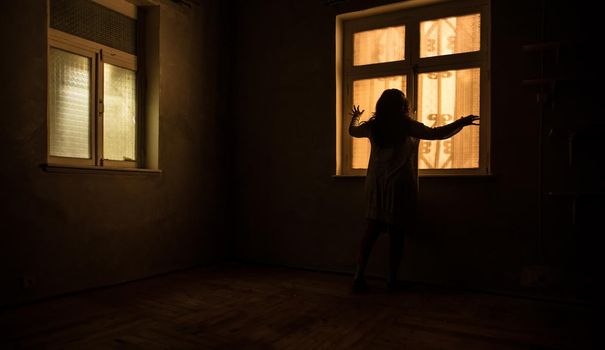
{"points": [[70, 104], [438, 56], [450, 35], [379, 45], [442, 96], [92, 86], [119, 115]]}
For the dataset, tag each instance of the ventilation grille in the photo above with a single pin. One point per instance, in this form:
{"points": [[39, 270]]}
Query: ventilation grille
{"points": [[94, 22]]}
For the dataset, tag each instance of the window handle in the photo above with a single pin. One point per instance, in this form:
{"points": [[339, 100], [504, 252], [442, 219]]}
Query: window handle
{"points": [[101, 107]]}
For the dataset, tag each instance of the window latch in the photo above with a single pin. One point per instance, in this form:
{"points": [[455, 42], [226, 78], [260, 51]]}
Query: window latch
{"points": [[101, 107]]}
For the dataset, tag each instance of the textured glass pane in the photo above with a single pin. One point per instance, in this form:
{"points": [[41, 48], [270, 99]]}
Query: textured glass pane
{"points": [[69, 104], [446, 36], [365, 94], [444, 97], [379, 45], [119, 126]]}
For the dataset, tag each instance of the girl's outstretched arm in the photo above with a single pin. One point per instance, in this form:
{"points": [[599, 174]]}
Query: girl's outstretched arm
{"points": [[421, 131]]}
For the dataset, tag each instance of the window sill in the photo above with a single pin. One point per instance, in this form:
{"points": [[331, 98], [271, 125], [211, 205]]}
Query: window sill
{"points": [[348, 176], [423, 176], [456, 176], [81, 169]]}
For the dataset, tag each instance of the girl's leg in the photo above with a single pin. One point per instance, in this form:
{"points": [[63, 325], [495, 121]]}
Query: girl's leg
{"points": [[395, 253], [367, 243]]}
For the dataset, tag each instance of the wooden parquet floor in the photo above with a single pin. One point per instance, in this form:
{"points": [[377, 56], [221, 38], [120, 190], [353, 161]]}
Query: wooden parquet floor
{"points": [[253, 307]]}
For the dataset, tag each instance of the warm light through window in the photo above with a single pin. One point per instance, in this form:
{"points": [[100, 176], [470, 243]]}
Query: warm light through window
{"points": [[379, 46], [443, 97], [119, 127], [437, 55], [69, 104], [365, 94], [451, 35]]}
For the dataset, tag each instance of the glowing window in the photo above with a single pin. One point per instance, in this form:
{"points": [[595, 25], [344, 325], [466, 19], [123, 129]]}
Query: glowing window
{"points": [[119, 122], [442, 96], [437, 56], [451, 35], [69, 102], [92, 86], [379, 45]]}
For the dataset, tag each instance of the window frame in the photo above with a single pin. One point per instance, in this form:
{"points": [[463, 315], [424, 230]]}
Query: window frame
{"points": [[99, 55], [411, 67]]}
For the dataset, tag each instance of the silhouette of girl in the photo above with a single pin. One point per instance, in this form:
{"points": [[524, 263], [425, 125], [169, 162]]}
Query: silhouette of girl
{"points": [[392, 176]]}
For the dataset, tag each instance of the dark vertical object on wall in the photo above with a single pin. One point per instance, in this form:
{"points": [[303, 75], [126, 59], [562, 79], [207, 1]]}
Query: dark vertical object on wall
{"points": [[536, 275], [228, 93], [586, 158], [569, 193]]}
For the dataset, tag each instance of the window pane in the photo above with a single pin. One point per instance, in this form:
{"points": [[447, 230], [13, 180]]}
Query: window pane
{"points": [[446, 36], [379, 45], [444, 97], [119, 125], [365, 94], [69, 104]]}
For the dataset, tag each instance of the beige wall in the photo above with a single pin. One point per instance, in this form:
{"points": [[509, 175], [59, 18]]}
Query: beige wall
{"points": [[69, 232]]}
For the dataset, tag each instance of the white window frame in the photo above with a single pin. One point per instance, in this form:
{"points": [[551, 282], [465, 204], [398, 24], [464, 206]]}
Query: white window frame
{"points": [[98, 55], [409, 15]]}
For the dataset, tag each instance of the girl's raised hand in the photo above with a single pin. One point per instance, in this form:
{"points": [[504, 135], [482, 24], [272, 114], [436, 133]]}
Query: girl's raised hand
{"points": [[355, 112], [470, 120]]}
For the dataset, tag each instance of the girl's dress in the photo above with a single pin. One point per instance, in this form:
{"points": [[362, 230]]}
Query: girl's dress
{"points": [[392, 178]]}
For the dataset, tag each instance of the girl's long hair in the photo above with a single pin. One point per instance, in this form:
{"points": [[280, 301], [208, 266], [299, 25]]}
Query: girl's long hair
{"points": [[391, 108]]}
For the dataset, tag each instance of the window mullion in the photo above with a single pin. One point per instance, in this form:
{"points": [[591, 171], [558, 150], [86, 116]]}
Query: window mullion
{"points": [[94, 108], [347, 147], [413, 43], [401, 69], [100, 108]]}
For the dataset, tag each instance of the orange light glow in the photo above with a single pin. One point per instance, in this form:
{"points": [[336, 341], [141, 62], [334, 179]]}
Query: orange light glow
{"points": [[444, 97], [451, 35], [365, 94], [379, 46]]}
